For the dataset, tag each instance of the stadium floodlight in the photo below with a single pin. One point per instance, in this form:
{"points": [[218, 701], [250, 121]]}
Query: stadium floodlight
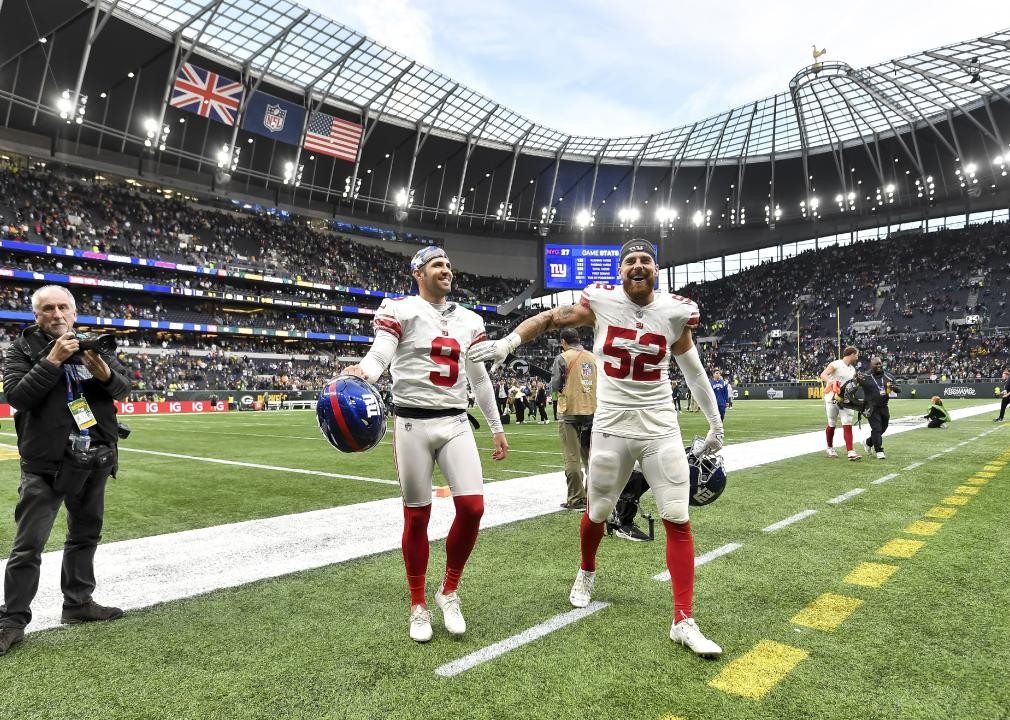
{"points": [[71, 109], [347, 187], [665, 216], [456, 205], [628, 216], [698, 218], [547, 215], [404, 198], [584, 218], [64, 105], [504, 211], [292, 174]]}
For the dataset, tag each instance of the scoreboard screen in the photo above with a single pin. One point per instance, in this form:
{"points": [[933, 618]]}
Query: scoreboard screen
{"points": [[572, 267]]}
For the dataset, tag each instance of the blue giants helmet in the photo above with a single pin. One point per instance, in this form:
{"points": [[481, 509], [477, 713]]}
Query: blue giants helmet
{"points": [[708, 477], [351, 414]]}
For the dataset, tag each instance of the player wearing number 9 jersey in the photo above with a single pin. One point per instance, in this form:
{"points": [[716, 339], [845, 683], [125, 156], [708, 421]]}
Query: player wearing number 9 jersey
{"points": [[423, 341], [636, 329]]}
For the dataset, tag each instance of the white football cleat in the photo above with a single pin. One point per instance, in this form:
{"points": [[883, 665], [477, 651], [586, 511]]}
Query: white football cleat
{"points": [[881, 455], [452, 615], [867, 446], [832, 453], [420, 624], [853, 455], [686, 632], [582, 590]]}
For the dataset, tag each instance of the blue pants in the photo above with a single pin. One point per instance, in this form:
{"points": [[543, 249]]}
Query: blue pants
{"points": [[722, 412]]}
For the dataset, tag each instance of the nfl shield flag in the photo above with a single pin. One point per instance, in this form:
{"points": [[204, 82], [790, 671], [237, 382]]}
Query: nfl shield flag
{"points": [[274, 118], [206, 93]]}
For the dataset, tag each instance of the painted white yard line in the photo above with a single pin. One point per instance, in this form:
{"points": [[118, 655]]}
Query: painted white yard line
{"points": [[702, 559], [882, 480], [515, 472], [518, 640], [552, 467], [913, 466], [789, 521], [962, 444], [934, 457], [147, 571], [845, 496], [258, 466], [950, 450]]}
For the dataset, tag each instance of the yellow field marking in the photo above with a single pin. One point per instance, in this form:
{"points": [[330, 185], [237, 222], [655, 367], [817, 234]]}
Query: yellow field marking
{"points": [[955, 500], [826, 612], [870, 574], [923, 527], [758, 670], [976, 481], [9, 455], [901, 548], [983, 473], [673, 717], [965, 490], [941, 513], [993, 468]]}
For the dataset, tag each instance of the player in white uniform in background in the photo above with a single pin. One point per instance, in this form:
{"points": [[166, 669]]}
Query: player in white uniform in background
{"points": [[423, 340], [835, 375], [635, 330]]}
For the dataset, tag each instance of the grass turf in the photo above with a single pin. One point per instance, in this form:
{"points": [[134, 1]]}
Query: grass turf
{"points": [[931, 642]]}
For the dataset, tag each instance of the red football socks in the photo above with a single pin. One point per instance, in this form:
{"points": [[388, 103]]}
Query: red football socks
{"points": [[830, 433], [461, 539], [415, 550], [847, 433], [680, 562], [590, 535]]}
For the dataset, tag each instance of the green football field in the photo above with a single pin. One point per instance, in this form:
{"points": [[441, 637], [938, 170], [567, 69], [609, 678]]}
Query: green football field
{"points": [[892, 602]]}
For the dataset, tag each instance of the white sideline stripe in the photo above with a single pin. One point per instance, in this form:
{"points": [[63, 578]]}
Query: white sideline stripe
{"points": [[518, 640], [913, 466], [882, 480], [962, 444], [702, 559], [950, 450], [845, 496], [146, 571], [789, 521], [515, 472]]}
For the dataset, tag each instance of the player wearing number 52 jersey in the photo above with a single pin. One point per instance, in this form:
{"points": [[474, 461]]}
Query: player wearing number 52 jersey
{"points": [[423, 341], [636, 330]]}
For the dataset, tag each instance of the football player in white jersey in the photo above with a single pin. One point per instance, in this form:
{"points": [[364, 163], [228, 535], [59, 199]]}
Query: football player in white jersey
{"points": [[835, 375], [423, 340], [635, 330]]}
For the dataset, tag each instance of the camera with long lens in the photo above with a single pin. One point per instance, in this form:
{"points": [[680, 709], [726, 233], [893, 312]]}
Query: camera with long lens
{"points": [[96, 341]]}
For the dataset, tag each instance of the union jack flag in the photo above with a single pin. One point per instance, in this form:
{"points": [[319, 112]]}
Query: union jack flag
{"points": [[207, 94]]}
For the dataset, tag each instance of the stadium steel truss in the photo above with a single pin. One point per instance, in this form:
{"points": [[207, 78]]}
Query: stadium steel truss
{"points": [[839, 145]]}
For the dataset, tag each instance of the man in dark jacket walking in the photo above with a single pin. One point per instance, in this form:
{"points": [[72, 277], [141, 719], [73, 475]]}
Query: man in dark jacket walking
{"points": [[877, 387], [67, 434]]}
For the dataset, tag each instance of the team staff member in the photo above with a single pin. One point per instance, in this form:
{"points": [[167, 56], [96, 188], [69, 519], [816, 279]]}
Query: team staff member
{"points": [[877, 386], [722, 390], [44, 372], [573, 377], [423, 339], [1005, 395]]}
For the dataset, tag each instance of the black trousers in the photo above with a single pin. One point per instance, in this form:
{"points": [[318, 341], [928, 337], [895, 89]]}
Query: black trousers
{"points": [[879, 419], [35, 514], [520, 407], [676, 403], [935, 423], [502, 402], [542, 410], [1002, 406]]}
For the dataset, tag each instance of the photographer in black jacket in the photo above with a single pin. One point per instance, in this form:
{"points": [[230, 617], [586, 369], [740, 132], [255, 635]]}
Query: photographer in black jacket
{"points": [[67, 434], [877, 386]]}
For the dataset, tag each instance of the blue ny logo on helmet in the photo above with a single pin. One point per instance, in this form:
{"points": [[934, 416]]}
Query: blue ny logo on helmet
{"points": [[708, 477], [351, 414]]}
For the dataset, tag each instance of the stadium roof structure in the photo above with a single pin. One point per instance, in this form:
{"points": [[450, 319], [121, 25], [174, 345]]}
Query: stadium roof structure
{"points": [[827, 103], [840, 149]]}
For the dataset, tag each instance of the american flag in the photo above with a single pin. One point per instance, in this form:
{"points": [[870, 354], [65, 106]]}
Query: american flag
{"points": [[207, 94], [332, 136]]}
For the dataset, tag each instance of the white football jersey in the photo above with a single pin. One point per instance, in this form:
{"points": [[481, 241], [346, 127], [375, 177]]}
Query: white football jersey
{"points": [[428, 365], [632, 348], [843, 372]]}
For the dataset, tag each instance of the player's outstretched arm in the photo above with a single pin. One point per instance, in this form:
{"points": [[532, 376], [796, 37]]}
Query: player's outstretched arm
{"points": [[531, 328], [379, 356], [686, 355], [483, 392]]}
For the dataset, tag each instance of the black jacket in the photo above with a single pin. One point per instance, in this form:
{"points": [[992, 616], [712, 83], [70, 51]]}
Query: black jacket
{"points": [[872, 384], [37, 390]]}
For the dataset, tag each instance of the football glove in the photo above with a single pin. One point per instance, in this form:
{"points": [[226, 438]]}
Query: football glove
{"points": [[494, 351], [713, 441]]}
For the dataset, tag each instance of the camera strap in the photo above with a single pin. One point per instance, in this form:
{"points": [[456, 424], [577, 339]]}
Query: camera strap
{"points": [[78, 404]]}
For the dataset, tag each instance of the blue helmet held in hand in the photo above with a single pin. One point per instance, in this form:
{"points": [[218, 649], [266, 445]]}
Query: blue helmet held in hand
{"points": [[351, 414]]}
